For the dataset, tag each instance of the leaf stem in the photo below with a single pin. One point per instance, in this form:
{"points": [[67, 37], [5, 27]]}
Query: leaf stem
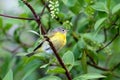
{"points": [[117, 34], [37, 18], [98, 67]]}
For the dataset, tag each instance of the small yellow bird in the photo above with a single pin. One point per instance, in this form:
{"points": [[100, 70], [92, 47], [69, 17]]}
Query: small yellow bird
{"points": [[57, 36]]}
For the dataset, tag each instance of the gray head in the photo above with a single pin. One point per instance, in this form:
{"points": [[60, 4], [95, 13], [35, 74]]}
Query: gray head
{"points": [[60, 29]]}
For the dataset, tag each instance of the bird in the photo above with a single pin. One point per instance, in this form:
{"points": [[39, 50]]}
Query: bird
{"points": [[57, 36]]}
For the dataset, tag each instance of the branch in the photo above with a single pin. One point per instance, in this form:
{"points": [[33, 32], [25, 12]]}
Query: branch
{"points": [[32, 10], [110, 41], [16, 17], [91, 59], [58, 58], [98, 67], [37, 18], [46, 5], [116, 66], [75, 36]]}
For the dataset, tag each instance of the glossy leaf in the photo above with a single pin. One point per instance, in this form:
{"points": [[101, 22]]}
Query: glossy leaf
{"points": [[44, 66], [89, 76], [34, 32], [29, 66], [56, 70], [9, 75], [100, 6], [68, 59], [116, 9], [98, 23]]}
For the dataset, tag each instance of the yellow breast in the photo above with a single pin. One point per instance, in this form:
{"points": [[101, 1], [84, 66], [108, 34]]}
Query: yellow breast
{"points": [[58, 40]]}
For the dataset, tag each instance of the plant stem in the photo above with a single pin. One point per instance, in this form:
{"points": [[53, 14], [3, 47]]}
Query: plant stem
{"points": [[58, 58], [37, 18], [16, 17], [110, 41], [98, 67]]}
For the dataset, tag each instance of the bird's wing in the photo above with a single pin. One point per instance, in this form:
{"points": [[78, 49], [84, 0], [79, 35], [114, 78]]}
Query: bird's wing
{"points": [[30, 54], [38, 46]]}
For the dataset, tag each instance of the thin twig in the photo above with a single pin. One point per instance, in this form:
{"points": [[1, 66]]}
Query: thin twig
{"points": [[116, 66], [89, 56], [51, 44], [91, 59], [110, 41], [58, 58], [16, 17], [45, 4], [98, 67], [75, 36], [37, 18], [32, 10]]}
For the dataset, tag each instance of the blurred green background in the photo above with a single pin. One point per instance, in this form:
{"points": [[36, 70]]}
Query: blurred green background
{"points": [[92, 24]]}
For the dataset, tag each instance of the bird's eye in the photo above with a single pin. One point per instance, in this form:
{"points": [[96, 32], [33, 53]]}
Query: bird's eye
{"points": [[63, 30]]}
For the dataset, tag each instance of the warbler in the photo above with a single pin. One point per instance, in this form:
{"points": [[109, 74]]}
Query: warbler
{"points": [[57, 36]]}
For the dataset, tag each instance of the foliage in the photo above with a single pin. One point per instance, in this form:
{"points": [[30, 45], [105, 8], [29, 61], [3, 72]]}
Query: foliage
{"points": [[92, 49]]}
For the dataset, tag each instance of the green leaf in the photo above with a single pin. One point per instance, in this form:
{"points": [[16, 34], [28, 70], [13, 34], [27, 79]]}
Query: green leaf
{"points": [[89, 76], [84, 62], [34, 32], [100, 6], [7, 26], [6, 64], [22, 54], [24, 15], [73, 5], [20, 3], [97, 26], [87, 1], [1, 23], [9, 75], [50, 78], [44, 66], [93, 55], [116, 9], [108, 4], [68, 59], [56, 70], [69, 3], [30, 65]]}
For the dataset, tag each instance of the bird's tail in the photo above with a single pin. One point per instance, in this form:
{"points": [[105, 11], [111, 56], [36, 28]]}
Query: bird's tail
{"points": [[30, 54]]}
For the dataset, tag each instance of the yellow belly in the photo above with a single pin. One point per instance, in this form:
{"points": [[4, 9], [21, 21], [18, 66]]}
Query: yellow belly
{"points": [[58, 40]]}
